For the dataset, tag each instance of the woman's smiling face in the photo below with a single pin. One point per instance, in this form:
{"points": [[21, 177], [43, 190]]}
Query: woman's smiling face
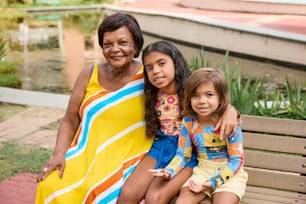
{"points": [[119, 47]]}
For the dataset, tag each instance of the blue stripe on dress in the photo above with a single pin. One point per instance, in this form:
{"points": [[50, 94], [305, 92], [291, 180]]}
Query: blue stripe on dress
{"points": [[100, 106]]}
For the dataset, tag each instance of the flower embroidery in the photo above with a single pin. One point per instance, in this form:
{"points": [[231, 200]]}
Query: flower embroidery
{"points": [[171, 99], [168, 112]]}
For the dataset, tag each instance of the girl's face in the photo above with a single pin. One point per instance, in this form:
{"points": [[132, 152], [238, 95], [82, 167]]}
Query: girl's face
{"points": [[161, 71], [205, 101], [119, 47]]}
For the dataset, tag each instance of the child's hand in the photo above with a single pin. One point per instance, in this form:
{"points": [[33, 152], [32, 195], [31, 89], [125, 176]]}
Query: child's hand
{"points": [[199, 187], [164, 173]]}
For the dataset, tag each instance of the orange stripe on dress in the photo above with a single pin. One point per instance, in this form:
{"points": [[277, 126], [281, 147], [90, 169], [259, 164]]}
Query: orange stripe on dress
{"points": [[84, 105], [91, 99], [102, 93], [112, 180], [138, 76]]}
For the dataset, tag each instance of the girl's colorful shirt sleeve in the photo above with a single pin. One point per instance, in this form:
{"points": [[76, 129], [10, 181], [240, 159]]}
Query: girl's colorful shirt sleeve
{"points": [[208, 146]]}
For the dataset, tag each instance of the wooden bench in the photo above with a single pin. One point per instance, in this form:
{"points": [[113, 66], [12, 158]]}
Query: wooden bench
{"points": [[275, 159]]}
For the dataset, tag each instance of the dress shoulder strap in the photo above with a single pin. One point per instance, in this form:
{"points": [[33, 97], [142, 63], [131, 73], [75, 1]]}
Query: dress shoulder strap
{"points": [[93, 83]]}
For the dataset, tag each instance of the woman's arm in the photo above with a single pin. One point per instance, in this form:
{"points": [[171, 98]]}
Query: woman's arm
{"points": [[68, 127]]}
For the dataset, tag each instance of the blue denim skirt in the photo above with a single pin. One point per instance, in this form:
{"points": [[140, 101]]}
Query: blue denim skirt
{"points": [[164, 149]]}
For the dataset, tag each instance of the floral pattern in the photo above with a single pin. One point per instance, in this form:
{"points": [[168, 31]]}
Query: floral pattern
{"points": [[168, 111]]}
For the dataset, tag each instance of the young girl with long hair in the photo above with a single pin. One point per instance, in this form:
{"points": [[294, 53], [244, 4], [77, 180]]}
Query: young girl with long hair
{"points": [[166, 72]]}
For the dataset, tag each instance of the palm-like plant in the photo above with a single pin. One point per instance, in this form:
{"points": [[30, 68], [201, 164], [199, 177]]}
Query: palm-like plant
{"points": [[293, 105], [243, 94], [8, 76], [248, 97], [196, 63], [3, 49]]}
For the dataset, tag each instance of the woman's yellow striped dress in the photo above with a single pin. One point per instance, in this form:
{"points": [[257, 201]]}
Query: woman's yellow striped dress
{"points": [[108, 145]]}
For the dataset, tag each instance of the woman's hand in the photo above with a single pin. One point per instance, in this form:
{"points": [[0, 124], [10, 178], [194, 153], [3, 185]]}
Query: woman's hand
{"points": [[199, 187], [55, 163], [228, 123], [164, 173]]}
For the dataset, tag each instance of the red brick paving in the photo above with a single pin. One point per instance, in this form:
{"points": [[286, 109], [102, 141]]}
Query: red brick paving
{"points": [[19, 189]]}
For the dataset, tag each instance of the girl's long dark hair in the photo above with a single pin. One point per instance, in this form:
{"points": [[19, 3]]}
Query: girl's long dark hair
{"points": [[182, 72]]}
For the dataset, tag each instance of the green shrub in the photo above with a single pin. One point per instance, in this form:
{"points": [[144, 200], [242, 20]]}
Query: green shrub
{"points": [[3, 49], [8, 67], [10, 80], [248, 95], [196, 64], [243, 94], [293, 105], [8, 76]]}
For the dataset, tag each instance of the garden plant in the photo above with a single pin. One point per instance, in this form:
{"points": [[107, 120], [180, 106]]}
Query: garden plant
{"points": [[248, 96]]}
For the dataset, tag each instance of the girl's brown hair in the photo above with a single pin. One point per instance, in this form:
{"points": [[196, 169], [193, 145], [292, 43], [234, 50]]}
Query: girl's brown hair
{"points": [[204, 75]]}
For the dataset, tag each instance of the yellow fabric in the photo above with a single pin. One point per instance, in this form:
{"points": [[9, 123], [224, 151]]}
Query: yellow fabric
{"points": [[206, 169], [109, 144]]}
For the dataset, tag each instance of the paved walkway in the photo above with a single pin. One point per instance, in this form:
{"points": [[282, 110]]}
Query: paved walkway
{"points": [[286, 17], [28, 126]]}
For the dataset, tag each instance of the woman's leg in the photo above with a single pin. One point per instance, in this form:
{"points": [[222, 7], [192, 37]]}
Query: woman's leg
{"points": [[186, 196], [162, 191], [225, 197], [135, 187]]}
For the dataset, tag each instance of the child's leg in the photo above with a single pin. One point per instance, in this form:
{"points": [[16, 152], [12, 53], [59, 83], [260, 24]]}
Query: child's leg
{"points": [[186, 196], [232, 191], [225, 197], [135, 187], [162, 191]]}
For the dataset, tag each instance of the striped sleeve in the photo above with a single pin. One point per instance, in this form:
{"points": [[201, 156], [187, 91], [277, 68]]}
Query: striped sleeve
{"points": [[236, 160], [184, 150]]}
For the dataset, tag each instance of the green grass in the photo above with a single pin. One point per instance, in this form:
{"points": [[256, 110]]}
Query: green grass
{"points": [[15, 159], [7, 110]]}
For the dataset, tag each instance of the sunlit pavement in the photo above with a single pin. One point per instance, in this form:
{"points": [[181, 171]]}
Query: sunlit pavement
{"points": [[21, 188], [257, 14]]}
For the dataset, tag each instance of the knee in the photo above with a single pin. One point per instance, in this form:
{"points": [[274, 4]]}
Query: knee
{"points": [[126, 195], [151, 198], [181, 200], [155, 197]]}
